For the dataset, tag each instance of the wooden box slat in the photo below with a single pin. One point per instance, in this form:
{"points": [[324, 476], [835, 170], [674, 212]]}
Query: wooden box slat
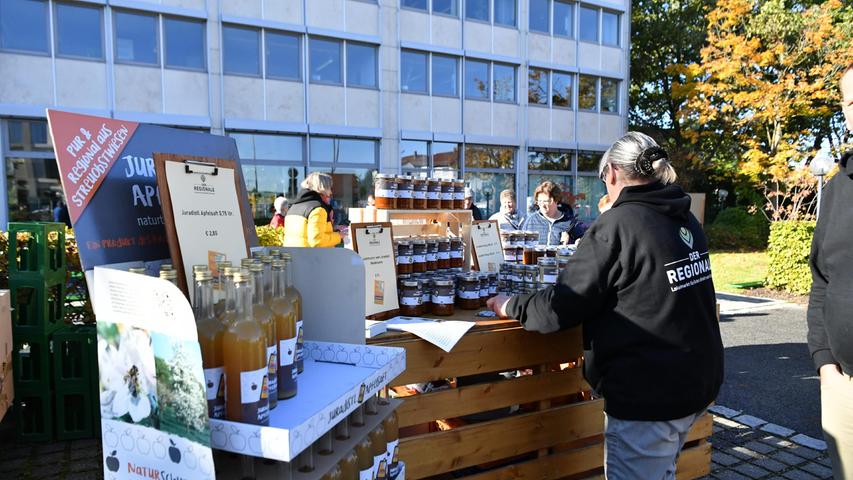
{"points": [[549, 467], [494, 440], [456, 402], [485, 352], [694, 462]]}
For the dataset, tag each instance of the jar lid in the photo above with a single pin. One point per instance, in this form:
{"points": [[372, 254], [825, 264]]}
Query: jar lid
{"points": [[404, 276], [411, 283], [406, 177], [404, 242], [203, 275], [540, 248], [548, 261], [419, 241], [385, 176], [442, 282]]}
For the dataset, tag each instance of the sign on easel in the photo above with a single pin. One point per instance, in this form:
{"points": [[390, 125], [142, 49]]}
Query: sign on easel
{"points": [[374, 243], [201, 208], [486, 240]]}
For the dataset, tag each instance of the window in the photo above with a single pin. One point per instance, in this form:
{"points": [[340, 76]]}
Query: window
{"points": [[609, 95], [343, 150], [588, 161], [486, 156], [29, 136], [445, 159], [269, 147], [561, 93], [78, 31], [350, 188], [610, 28], [587, 92], [477, 80], [23, 26], [505, 12], [284, 54], [504, 83], [185, 47], [537, 86], [445, 78], [477, 10], [33, 188], [414, 158], [563, 20], [325, 61], [488, 171], [267, 180], [590, 190], [136, 38], [361, 65], [241, 50], [445, 7], [549, 160], [589, 24], [416, 4], [539, 15], [353, 182], [413, 72]]}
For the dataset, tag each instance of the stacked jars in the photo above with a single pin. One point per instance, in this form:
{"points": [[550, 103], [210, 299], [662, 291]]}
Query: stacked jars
{"points": [[404, 257], [419, 193], [447, 194], [385, 191], [433, 194], [458, 194], [405, 192]]}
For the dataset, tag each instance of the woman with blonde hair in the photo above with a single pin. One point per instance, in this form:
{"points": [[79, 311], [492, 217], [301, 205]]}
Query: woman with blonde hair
{"points": [[308, 222]]}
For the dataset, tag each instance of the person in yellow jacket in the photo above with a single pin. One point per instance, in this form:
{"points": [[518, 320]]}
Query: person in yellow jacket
{"points": [[308, 221]]}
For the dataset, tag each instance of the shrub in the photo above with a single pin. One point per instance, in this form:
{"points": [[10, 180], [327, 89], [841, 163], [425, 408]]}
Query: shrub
{"points": [[269, 237], [736, 229], [788, 249]]}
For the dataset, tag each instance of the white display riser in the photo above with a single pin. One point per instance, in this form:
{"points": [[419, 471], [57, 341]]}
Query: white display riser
{"points": [[229, 465]]}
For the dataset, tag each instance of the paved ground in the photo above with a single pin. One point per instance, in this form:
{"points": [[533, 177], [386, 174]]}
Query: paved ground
{"points": [[766, 425]]}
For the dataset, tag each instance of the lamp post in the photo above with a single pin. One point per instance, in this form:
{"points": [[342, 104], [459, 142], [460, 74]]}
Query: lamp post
{"points": [[820, 165]]}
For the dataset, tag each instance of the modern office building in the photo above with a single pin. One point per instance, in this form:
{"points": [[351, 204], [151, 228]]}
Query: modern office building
{"points": [[505, 93]]}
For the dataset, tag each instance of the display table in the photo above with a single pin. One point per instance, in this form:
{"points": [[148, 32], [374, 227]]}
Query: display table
{"points": [[555, 430]]}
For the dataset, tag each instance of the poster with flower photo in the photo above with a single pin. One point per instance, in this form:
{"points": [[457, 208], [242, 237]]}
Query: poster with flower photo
{"points": [[152, 395]]}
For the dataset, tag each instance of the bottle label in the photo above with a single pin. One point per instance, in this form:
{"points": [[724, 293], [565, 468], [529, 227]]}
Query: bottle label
{"points": [[299, 341], [272, 369], [469, 295], [366, 474], [380, 466], [385, 193], [431, 195], [410, 301], [287, 347], [456, 254], [254, 396], [393, 456], [442, 300], [214, 379]]}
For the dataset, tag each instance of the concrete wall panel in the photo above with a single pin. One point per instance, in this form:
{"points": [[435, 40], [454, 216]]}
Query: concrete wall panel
{"points": [[539, 123], [414, 112], [446, 31], [26, 79], [563, 125], [506, 120], [565, 51], [362, 17], [285, 101], [414, 26], [362, 107], [611, 128], [326, 104], [506, 42], [287, 12], [241, 8], [590, 56], [187, 93], [326, 14], [138, 89], [478, 37], [612, 60], [588, 127], [446, 115], [81, 83], [478, 118], [539, 47]]}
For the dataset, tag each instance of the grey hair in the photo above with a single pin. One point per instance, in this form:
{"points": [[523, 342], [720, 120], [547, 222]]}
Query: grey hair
{"points": [[624, 153]]}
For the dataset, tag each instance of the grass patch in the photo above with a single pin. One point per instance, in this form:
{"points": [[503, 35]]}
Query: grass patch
{"points": [[737, 267]]}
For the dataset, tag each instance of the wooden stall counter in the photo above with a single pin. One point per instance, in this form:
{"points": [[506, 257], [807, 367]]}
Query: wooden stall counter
{"points": [[536, 420]]}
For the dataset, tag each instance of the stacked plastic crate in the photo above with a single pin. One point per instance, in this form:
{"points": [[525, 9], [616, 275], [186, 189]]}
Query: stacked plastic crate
{"points": [[55, 364]]}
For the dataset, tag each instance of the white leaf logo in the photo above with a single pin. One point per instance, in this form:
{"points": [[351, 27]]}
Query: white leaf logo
{"points": [[686, 236]]}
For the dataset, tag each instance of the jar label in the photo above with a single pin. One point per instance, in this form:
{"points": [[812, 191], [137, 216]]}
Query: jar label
{"points": [[509, 257], [459, 195], [419, 258], [405, 193], [493, 289], [469, 295], [549, 278], [447, 195], [411, 301], [420, 194], [484, 292], [404, 259], [385, 193], [456, 254], [272, 368], [431, 257], [443, 255], [431, 195], [442, 299], [530, 243], [214, 380], [254, 396]]}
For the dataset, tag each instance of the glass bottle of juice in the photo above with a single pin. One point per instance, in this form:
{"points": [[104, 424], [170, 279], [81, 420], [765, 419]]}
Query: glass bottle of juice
{"points": [[170, 275], [285, 323], [349, 466], [263, 315], [210, 331], [223, 307], [245, 352], [364, 451], [266, 261], [392, 438], [379, 448], [296, 297]]}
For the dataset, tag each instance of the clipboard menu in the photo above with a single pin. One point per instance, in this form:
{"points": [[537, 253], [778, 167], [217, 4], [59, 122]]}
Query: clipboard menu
{"points": [[486, 240], [375, 245]]}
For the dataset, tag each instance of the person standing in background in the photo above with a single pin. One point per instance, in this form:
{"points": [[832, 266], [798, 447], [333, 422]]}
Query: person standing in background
{"points": [[469, 204], [280, 205], [555, 225], [508, 217], [830, 320], [308, 223]]}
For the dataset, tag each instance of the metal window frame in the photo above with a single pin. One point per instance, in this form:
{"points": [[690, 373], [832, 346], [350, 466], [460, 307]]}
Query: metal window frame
{"points": [[157, 46], [165, 42], [266, 53], [259, 32], [86, 6], [48, 40]]}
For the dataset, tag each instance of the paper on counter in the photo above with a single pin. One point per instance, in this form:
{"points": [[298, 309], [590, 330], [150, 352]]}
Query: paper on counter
{"points": [[444, 334]]}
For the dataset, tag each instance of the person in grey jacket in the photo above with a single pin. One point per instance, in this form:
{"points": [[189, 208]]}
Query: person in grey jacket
{"points": [[555, 222], [508, 217]]}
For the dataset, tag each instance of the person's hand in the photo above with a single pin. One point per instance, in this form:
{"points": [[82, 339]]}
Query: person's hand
{"points": [[830, 374], [564, 238], [498, 304]]}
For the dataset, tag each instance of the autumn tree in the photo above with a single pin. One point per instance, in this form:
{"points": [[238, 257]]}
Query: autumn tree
{"points": [[768, 79]]}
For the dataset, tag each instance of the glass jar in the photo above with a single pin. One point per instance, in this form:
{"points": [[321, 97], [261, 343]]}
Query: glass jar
{"points": [[431, 255], [539, 252], [484, 288], [426, 291], [468, 291], [551, 251], [563, 257], [405, 189], [517, 273], [505, 237], [531, 239], [419, 193], [418, 256], [400, 279], [385, 191], [459, 194], [529, 255], [504, 288], [505, 272], [447, 192], [456, 253], [493, 284], [411, 298], [531, 273], [443, 255], [510, 253], [433, 194], [442, 297], [548, 270], [404, 256]]}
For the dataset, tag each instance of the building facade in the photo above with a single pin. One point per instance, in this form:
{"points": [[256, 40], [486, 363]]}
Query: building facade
{"points": [[503, 93]]}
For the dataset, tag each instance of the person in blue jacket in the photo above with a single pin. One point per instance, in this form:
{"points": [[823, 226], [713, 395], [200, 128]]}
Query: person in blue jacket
{"points": [[555, 222]]}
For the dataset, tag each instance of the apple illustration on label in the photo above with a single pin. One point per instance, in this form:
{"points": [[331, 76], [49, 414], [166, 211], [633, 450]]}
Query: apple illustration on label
{"points": [[112, 462], [174, 453]]}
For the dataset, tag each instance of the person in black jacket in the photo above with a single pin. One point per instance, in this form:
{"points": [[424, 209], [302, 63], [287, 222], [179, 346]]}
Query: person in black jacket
{"points": [[830, 319], [640, 284]]}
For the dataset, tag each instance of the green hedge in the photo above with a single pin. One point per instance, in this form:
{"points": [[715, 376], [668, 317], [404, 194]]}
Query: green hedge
{"points": [[736, 229], [789, 246]]}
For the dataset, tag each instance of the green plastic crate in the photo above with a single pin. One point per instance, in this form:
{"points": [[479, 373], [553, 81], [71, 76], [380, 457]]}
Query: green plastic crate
{"points": [[34, 415], [31, 360], [38, 306], [41, 256], [75, 409], [73, 353]]}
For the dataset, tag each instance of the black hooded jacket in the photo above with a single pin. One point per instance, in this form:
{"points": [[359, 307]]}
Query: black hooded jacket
{"points": [[640, 284], [831, 301]]}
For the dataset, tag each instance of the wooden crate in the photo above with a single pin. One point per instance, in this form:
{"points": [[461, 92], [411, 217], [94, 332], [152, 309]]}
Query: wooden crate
{"points": [[408, 223], [556, 434]]}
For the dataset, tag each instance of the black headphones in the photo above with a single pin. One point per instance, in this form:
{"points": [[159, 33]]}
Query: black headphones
{"points": [[644, 161]]}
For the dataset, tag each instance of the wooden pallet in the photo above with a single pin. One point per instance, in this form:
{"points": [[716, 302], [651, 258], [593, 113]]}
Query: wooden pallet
{"points": [[555, 435]]}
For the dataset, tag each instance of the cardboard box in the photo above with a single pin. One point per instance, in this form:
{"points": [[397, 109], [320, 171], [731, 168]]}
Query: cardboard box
{"points": [[7, 390]]}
